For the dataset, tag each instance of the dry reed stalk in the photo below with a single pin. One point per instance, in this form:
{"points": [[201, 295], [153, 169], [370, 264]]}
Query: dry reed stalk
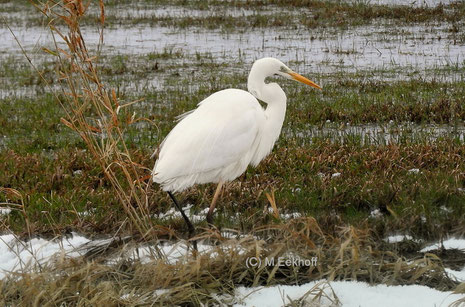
{"points": [[92, 110]]}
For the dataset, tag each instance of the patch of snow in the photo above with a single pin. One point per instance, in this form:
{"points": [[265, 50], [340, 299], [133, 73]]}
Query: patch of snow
{"points": [[20, 256], [174, 253], [17, 255], [414, 171], [180, 251], [398, 238], [451, 243], [5, 211], [160, 292], [459, 275], [335, 175], [171, 253], [376, 213], [173, 213], [292, 215], [350, 294]]}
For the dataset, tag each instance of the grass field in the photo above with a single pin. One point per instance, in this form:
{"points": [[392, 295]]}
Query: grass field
{"points": [[379, 151]]}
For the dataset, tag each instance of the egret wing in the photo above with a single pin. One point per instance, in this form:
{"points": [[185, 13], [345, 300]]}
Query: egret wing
{"points": [[219, 132]]}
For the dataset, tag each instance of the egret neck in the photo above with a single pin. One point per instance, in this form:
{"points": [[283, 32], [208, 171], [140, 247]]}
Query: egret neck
{"points": [[275, 99]]}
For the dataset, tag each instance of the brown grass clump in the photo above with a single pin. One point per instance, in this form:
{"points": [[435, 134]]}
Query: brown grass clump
{"points": [[94, 111]]}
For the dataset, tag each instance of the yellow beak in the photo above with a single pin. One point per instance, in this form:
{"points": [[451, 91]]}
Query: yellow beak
{"points": [[302, 79]]}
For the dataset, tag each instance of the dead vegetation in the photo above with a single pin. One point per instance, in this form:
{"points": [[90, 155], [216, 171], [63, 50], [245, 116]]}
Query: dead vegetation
{"points": [[93, 111], [208, 277]]}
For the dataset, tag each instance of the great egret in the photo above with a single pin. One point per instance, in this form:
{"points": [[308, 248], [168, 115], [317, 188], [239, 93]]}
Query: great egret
{"points": [[228, 131]]}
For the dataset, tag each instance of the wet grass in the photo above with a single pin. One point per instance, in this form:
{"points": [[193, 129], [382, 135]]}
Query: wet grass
{"points": [[66, 181], [416, 183], [269, 14], [38, 147], [36, 126]]}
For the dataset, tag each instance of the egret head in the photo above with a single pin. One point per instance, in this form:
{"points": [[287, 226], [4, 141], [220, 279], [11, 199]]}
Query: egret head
{"points": [[267, 67]]}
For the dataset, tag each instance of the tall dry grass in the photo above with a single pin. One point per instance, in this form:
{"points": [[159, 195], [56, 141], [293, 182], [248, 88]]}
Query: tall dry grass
{"points": [[92, 109]]}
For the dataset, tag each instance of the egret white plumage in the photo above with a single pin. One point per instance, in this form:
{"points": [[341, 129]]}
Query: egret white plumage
{"points": [[228, 131]]}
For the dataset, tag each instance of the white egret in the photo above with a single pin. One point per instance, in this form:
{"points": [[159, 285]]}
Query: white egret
{"points": [[228, 131]]}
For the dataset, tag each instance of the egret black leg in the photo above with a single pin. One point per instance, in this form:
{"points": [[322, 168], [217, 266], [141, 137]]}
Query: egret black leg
{"points": [[186, 219]]}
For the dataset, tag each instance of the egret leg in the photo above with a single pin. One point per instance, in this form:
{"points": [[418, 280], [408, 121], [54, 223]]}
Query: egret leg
{"points": [[186, 219], [213, 204]]}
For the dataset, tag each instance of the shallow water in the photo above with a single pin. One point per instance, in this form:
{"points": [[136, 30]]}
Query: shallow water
{"points": [[380, 46], [369, 134], [380, 134], [142, 11], [428, 3]]}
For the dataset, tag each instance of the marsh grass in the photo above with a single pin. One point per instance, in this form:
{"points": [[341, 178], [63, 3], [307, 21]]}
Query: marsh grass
{"points": [[83, 174], [304, 13], [45, 157], [70, 182]]}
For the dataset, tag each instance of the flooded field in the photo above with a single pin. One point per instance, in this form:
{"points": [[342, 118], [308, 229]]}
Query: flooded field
{"points": [[378, 153], [381, 134], [396, 54]]}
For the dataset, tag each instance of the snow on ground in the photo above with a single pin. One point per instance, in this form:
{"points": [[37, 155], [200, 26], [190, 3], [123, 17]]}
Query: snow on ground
{"points": [[172, 253], [376, 213], [5, 211], [398, 238], [17, 255], [451, 243], [174, 213], [350, 294], [459, 275]]}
